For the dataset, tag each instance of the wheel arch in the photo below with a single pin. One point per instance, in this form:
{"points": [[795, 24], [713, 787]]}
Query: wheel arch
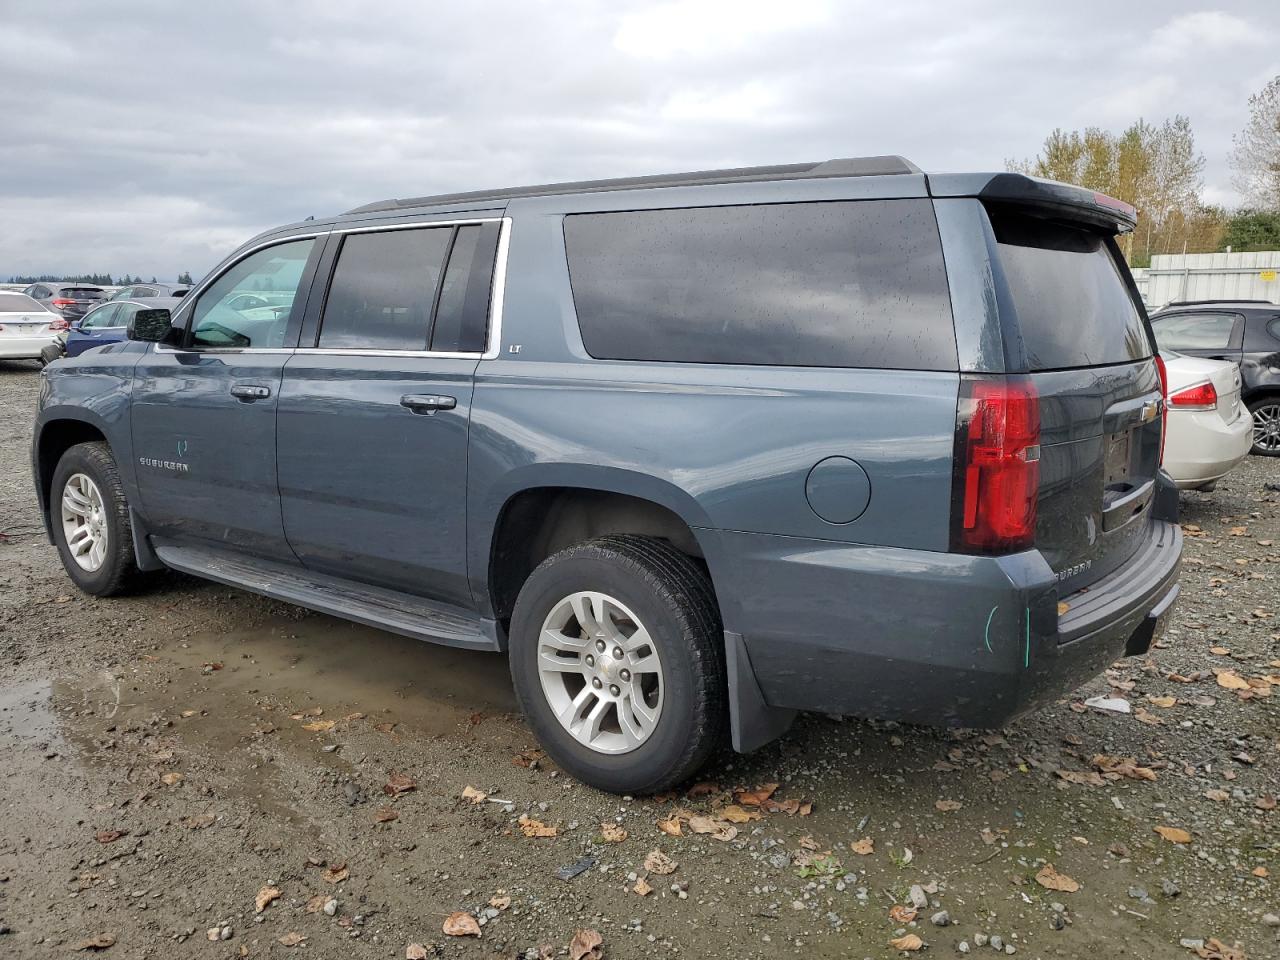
{"points": [[55, 437]]}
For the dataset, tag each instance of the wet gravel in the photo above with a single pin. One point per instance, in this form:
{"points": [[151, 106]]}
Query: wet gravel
{"points": [[167, 756]]}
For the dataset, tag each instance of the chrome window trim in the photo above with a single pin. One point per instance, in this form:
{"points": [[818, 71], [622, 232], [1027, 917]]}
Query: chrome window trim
{"points": [[497, 297]]}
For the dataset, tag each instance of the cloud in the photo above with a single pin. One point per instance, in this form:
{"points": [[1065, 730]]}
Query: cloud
{"points": [[156, 139]]}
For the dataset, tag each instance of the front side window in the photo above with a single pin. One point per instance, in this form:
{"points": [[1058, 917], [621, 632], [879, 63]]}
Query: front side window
{"points": [[1195, 331], [250, 305], [826, 284], [102, 317]]}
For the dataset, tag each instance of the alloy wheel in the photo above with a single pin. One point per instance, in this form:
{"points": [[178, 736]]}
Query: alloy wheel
{"points": [[84, 522], [1266, 427]]}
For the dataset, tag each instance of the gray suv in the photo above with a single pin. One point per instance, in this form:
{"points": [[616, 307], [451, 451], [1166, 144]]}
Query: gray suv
{"points": [[694, 451]]}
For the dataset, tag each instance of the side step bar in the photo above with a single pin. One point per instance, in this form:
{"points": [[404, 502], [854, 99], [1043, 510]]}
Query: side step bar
{"points": [[373, 606]]}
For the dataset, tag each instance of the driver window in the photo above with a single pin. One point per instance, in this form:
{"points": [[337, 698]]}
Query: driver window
{"points": [[102, 317], [250, 304]]}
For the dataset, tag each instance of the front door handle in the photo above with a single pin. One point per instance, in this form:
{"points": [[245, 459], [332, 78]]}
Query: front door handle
{"points": [[427, 402], [249, 392]]}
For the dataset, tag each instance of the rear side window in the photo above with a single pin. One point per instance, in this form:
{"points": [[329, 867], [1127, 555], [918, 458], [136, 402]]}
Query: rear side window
{"points": [[831, 284], [1195, 331], [1072, 302]]}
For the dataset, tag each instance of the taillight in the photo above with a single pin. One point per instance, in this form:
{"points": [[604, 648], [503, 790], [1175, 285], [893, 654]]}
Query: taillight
{"points": [[59, 324], [1164, 405], [1200, 397], [63, 302], [997, 471]]}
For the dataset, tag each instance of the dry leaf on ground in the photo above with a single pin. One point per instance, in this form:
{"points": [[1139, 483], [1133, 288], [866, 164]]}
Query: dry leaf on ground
{"points": [[415, 951], [1174, 834], [1163, 702], [385, 815], [1231, 680], [864, 847], [900, 913], [100, 942], [398, 783], [1051, 879], [671, 826], [265, 896], [1089, 778], [586, 945], [461, 924], [703, 788], [536, 828], [1261, 872], [319, 726], [756, 797], [316, 904], [910, 942], [336, 873], [292, 939], [1143, 715], [1265, 802], [1219, 796], [736, 814], [642, 887], [659, 863], [475, 796], [719, 829], [110, 836], [499, 903], [948, 806], [1215, 949], [171, 779], [612, 832], [1123, 767]]}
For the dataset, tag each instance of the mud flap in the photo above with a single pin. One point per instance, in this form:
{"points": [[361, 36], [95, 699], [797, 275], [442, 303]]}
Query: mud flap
{"points": [[752, 722], [143, 554]]}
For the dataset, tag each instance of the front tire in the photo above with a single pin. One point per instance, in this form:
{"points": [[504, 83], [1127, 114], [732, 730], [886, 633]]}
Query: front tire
{"points": [[1266, 426], [90, 519], [617, 656]]}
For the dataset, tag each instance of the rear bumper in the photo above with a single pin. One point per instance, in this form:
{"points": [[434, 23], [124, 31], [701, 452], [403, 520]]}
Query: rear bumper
{"points": [[24, 348], [933, 638], [1201, 447]]}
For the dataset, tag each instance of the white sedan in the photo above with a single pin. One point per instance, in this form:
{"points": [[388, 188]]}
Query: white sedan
{"points": [[27, 326], [1209, 430]]}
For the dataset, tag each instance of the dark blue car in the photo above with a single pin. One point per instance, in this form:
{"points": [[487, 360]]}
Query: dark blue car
{"points": [[109, 323]]}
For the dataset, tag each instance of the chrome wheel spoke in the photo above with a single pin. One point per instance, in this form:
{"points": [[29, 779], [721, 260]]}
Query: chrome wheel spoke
{"points": [[84, 522]]}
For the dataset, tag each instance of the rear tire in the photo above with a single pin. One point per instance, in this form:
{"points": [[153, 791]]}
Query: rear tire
{"points": [[1266, 426], [90, 520], [645, 720], [52, 352]]}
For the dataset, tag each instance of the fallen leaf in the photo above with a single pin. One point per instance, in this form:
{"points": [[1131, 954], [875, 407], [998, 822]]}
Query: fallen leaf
{"points": [[864, 847], [316, 904], [198, 822], [475, 796], [171, 779], [384, 727], [1174, 834], [586, 945], [1230, 680], [461, 924], [265, 896], [756, 797], [100, 942], [528, 758], [736, 814], [642, 887], [187, 714], [1123, 767], [398, 783], [671, 826], [948, 806], [659, 863], [612, 832], [703, 788], [1051, 879], [1163, 702], [899, 913], [719, 829], [1088, 778], [499, 903], [320, 726], [1220, 796], [212, 665], [910, 942], [536, 828], [1262, 872], [385, 815], [1265, 802], [291, 939], [1215, 949], [110, 836], [1143, 715], [1219, 651], [415, 951], [336, 873]]}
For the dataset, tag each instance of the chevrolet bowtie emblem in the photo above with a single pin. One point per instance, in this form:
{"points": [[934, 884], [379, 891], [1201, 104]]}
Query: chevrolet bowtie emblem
{"points": [[1150, 410]]}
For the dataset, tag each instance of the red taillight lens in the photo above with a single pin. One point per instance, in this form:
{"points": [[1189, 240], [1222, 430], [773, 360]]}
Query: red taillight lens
{"points": [[63, 302], [997, 466], [1164, 405], [59, 324], [1200, 397]]}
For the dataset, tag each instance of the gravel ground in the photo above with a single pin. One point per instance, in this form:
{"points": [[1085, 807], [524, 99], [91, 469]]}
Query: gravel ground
{"points": [[170, 757]]}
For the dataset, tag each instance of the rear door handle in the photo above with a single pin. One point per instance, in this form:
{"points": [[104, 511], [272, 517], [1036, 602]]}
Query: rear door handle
{"points": [[427, 402], [248, 392]]}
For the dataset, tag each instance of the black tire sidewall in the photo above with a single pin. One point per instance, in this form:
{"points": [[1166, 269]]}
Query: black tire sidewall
{"points": [[1254, 406], [105, 579], [652, 761]]}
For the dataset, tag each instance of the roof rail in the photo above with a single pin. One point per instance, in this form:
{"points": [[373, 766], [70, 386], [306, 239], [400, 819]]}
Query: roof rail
{"points": [[848, 167], [1198, 303]]}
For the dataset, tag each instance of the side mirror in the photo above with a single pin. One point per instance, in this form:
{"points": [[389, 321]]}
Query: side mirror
{"points": [[151, 326]]}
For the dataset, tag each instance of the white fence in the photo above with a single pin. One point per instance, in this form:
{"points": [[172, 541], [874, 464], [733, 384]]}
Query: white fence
{"points": [[1210, 276]]}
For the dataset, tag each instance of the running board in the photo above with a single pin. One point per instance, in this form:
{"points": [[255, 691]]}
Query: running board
{"points": [[373, 606]]}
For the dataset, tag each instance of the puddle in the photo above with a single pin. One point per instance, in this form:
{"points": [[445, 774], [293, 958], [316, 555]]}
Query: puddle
{"points": [[26, 713]]}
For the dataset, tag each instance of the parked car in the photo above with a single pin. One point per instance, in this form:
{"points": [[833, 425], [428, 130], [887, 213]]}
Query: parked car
{"points": [[109, 323], [694, 451], [69, 300], [1243, 332], [26, 327], [1209, 428], [146, 291]]}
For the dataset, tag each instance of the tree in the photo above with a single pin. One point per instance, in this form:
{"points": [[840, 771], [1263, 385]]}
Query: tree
{"points": [[1252, 230], [1256, 157], [185, 277]]}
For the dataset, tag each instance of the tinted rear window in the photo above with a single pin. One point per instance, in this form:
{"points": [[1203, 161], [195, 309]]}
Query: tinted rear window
{"points": [[1074, 309], [833, 284], [82, 293]]}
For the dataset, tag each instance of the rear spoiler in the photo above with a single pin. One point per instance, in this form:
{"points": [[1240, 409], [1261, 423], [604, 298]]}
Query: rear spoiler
{"points": [[1050, 198]]}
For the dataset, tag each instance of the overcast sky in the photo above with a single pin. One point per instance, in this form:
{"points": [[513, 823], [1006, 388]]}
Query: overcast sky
{"points": [[155, 137]]}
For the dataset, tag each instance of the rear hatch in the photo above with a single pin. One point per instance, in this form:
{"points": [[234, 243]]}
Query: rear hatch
{"points": [[1086, 345], [77, 301]]}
